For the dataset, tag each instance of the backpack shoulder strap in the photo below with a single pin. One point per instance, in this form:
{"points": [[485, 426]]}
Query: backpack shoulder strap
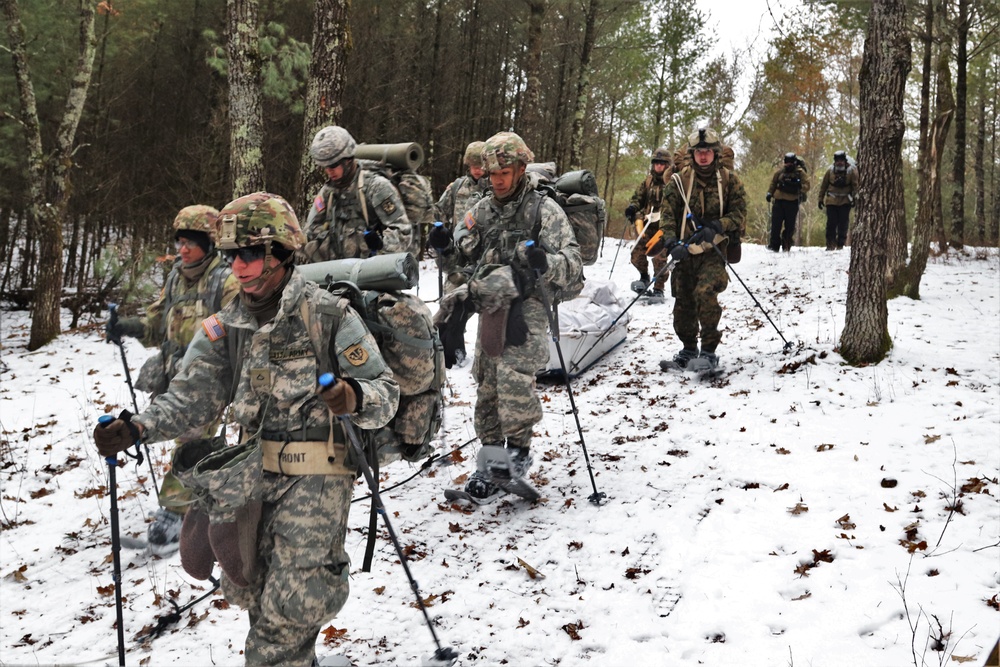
{"points": [[362, 196], [723, 188], [215, 283], [533, 210], [168, 299]]}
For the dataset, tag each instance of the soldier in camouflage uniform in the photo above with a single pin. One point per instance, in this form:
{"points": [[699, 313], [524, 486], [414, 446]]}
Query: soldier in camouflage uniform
{"points": [[490, 244], [357, 213], [199, 284], [789, 186], [836, 193], [262, 354], [701, 274], [646, 200], [463, 193]]}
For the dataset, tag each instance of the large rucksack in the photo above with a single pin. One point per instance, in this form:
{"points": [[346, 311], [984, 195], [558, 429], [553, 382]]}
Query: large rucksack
{"points": [[416, 194], [407, 338], [577, 195]]}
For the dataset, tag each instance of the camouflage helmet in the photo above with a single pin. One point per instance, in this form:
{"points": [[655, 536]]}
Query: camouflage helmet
{"points": [[661, 154], [840, 156], [789, 158], [704, 137], [331, 145], [197, 218], [260, 218], [474, 154], [504, 149]]}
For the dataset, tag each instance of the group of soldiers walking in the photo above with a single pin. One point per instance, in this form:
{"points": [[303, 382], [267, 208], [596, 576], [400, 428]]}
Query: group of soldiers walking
{"points": [[238, 327]]}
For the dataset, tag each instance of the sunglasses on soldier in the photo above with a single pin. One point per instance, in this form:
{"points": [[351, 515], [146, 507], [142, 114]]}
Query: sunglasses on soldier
{"points": [[248, 253]]}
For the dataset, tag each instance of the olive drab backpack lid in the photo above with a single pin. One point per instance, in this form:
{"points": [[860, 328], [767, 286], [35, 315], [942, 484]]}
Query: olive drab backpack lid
{"points": [[576, 193]]}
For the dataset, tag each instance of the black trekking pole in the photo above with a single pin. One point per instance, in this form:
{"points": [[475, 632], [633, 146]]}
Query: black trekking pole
{"points": [[788, 345], [663, 269], [116, 545], [117, 340], [165, 621], [443, 655], [617, 250], [596, 497]]}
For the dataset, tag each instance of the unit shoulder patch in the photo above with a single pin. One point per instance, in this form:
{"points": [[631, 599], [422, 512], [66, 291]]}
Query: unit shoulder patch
{"points": [[356, 355]]}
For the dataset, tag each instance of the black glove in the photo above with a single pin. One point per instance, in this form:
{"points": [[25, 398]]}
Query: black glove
{"points": [[715, 226], [130, 326], [373, 240], [537, 259], [706, 232], [630, 212], [768, 197], [440, 236], [679, 252], [821, 206], [116, 436]]}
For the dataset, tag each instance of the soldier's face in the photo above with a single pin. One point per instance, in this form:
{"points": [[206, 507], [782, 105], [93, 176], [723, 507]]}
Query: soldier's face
{"points": [[476, 172], [189, 251], [659, 167], [704, 156], [335, 171], [505, 180], [248, 274]]}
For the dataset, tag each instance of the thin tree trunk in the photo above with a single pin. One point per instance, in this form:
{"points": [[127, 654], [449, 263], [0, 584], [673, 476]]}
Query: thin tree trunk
{"points": [[49, 179], [978, 156], [885, 64], [583, 87], [331, 44], [246, 112], [531, 116], [958, 169]]}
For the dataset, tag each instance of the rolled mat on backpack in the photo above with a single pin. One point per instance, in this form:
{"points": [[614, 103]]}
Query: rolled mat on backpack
{"points": [[394, 271]]}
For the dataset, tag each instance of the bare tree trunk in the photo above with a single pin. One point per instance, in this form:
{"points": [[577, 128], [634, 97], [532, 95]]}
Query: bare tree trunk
{"points": [[978, 156], [583, 88], [49, 177], [884, 67], [246, 112], [331, 44], [531, 116], [958, 168]]}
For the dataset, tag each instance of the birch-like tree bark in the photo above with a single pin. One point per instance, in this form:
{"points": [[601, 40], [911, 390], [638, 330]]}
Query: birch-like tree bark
{"points": [[246, 111]]}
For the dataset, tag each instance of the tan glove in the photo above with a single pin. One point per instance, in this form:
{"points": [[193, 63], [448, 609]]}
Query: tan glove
{"points": [[340, 398]]}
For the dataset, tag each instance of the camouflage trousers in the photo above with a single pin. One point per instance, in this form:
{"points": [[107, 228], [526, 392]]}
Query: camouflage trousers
{"points": [[303, 578], [641, 262], [695, 285], [507, 405]]}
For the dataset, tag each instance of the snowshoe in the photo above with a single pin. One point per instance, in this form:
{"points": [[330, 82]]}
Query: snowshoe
{"points": [[164, 534], [640, 287], [704, 362], [480, 489], [654, 296], [506, 468], [680, 361]]}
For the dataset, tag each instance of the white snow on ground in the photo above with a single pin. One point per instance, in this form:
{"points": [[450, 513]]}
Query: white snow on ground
{"points": [[794, 511]]}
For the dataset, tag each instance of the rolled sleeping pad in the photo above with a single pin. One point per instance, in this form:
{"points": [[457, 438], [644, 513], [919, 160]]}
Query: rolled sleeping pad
{"points": [[399, 156], [395, 271], [579, 182]]}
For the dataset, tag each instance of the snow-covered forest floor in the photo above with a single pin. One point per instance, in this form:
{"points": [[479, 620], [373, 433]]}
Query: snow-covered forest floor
{"points": [[793, 511]]}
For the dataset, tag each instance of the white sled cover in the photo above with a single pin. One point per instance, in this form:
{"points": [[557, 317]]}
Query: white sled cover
{"points": [[582, 322]]}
